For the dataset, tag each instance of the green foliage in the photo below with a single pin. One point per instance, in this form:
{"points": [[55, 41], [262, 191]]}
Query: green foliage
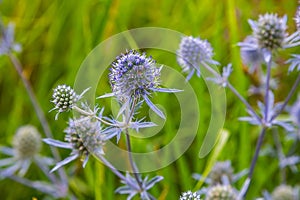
{"points": [[57, 35]]}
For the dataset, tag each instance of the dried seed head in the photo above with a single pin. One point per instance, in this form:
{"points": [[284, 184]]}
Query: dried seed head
{"points": [[133, 74], [27, 142], [221, 192]]}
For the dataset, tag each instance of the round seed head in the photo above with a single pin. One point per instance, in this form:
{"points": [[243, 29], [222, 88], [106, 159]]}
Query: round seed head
{"points": [[283, 192], [220, 171], [221, 192], [270, 31], [64, 97], [85, 136], [27, 142], [192, 51], [190, 196], [133, 74]]}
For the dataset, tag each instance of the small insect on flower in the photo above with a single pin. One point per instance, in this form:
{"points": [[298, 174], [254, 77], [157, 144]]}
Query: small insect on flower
{"points": [[64, 98], [192, 53]]}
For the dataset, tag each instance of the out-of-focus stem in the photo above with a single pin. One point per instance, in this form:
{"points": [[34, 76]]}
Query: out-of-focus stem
{"points": [[40, 114]]}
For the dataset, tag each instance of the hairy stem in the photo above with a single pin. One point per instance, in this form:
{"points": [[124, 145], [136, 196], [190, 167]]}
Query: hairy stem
{"points": [[40, 114]]}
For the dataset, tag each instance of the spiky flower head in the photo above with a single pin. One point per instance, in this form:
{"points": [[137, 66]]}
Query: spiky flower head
{"points": [[270, 31], [221, 192], [27, 142], [192, 53], [221, 171], [64, 97], [190, 196], [133, 74], [85, 136], [297, 18], [283, 192]]}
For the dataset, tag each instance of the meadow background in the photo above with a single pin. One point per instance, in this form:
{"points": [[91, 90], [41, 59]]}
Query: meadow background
{"points": [[56, 36]]}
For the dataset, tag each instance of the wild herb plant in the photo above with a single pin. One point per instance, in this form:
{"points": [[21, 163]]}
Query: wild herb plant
{"points": [[134, 77]]}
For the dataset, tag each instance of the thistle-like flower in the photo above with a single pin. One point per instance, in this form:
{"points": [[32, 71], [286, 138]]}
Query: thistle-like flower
{"points": [[27, 142], [190, 196], [83, 136], [132, 187], [251, 57], [269, 34], [270, 31], [7, 40], [192, 53], [64, 98], [26, 147], [134, 76], [284, 192], [221, 173], [221, 192]]}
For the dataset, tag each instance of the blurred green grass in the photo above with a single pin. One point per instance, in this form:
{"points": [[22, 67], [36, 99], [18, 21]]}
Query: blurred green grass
{"points": [[57, 35]]}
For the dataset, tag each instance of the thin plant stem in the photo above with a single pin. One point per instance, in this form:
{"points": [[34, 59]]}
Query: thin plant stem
{"points": [[114, 170], [266, 111], [91, 114], [289, 96], [248, 106], [280, 154], [253, 162], [128, 115], [234, 91], [40, 114]]}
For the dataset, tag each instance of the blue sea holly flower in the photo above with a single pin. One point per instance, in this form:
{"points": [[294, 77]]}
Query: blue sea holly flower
{"points": [[64, 98], [132, 188], [190, 196], [269, 34], [26, 146], [192, 53], [134, 76], [83, 136], [251, 57]]}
